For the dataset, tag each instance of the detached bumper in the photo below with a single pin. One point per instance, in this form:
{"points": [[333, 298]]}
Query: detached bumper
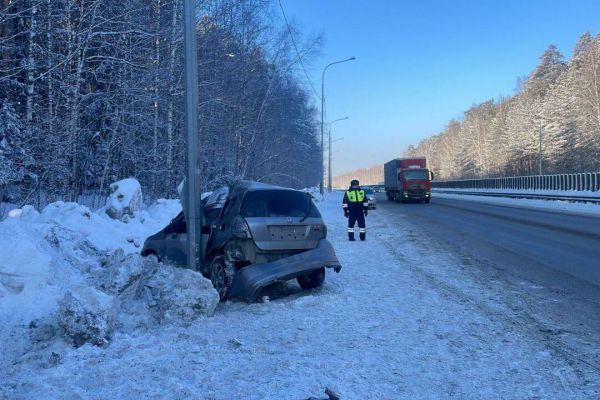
{"points": [[250, 280]]}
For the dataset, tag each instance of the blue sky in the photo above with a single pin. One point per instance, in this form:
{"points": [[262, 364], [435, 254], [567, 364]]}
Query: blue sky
{"points": [[421, 63]]}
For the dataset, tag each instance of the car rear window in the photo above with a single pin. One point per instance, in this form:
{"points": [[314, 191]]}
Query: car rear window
{"points": [[277, 203]]}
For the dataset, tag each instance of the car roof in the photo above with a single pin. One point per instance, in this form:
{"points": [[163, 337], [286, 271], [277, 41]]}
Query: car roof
{"points": [[243, 186], [253, 185]]}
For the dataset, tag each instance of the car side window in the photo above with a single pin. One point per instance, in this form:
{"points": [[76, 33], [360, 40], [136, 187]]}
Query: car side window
{"points": [[217, 199], [178, 225]]}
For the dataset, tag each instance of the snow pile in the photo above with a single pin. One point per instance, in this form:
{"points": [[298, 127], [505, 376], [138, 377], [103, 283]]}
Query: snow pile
{"points": [[101, 231], [5, 208], [168, 293], [125, 199], [87, 315], [121, 272], [180, 294], [69, 275]]}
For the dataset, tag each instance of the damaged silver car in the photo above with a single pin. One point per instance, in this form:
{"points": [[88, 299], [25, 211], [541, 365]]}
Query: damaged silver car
{"points": [[253, 235]]}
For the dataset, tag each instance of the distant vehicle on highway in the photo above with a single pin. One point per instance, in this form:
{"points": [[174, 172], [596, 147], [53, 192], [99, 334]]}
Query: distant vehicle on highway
{"points": [[378, 188], [407, 179], [253, 235], [370, 195]]}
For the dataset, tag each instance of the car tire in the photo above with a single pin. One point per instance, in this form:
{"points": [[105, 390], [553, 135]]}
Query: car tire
{"points": [[221, 276], [313, 280]]}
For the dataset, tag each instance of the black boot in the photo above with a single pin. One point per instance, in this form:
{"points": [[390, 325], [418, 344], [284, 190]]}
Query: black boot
{"points": [[351, 236], [363, 236]]}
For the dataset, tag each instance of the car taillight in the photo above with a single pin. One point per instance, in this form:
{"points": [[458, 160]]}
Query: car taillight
{"points": [[240, 228], [322, 229]]}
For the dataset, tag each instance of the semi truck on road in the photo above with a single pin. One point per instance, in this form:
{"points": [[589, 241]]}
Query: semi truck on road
{"points": [[407, 179]]}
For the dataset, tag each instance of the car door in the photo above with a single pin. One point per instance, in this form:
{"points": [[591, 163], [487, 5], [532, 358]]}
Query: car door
{"points": [[176, 241]]}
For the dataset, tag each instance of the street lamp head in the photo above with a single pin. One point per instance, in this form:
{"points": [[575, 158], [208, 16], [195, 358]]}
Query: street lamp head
{"points": [[352, 58]]}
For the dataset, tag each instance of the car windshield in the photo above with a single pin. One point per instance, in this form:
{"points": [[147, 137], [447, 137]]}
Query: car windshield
{"points": [[418, 174], [277, 203], [368, 191]]}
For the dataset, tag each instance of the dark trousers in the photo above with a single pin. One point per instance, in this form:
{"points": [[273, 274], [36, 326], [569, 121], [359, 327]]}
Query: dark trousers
{"points": [[353, 218]]}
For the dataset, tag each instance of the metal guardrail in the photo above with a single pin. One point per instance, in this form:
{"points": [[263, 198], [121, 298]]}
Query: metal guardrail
{"points": [[572, 198], [588, 181]]}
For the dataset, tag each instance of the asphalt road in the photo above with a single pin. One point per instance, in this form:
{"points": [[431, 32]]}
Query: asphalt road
{"points": [[544, 264]]}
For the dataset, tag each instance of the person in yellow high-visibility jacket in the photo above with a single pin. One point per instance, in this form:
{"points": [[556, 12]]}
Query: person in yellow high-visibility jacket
{"points": [[356, 208]]}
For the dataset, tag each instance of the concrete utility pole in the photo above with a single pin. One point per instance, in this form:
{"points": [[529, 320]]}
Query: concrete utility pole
{"points": [[329, 177], [194, 214], [322, 184], [540, 151]]}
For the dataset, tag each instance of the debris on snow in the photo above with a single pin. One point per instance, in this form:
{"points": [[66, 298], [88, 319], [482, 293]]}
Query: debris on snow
{"points": [[124, 200], [331, 394], [236, 343], [87, 315]]}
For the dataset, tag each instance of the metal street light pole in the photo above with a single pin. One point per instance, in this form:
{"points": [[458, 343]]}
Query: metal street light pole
{"points": [[323, 118], [329, 177], [194, 215], [540, 151]]}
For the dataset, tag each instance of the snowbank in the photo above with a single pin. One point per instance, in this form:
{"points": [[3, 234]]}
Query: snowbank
{"points": [[73, 275], [181, 295], [574, 193], [549, 205], [125, 198]]}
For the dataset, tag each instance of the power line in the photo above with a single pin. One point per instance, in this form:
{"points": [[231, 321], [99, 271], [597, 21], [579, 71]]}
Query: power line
{"points": [[296, 48]]}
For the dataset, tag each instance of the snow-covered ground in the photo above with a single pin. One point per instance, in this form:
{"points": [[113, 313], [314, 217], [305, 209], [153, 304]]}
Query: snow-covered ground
{"points": [[550, 205], [402, 320]]}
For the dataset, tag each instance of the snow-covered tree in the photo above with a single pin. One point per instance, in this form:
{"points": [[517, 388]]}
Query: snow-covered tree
{"points": [[559, 99]]}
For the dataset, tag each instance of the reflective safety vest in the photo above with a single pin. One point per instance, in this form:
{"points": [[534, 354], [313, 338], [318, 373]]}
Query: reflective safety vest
{"points": [[355, 196]]}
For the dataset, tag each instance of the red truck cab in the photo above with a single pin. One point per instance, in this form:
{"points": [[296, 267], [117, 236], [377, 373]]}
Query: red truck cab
{"points": [[408, 179]]}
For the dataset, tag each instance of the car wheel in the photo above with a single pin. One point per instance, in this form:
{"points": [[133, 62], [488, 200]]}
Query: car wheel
{"points": [[313, 280], [221, 276]]}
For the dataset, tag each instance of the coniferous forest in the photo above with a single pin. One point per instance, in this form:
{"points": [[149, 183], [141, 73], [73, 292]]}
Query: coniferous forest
{"points": [[559, 102]]}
